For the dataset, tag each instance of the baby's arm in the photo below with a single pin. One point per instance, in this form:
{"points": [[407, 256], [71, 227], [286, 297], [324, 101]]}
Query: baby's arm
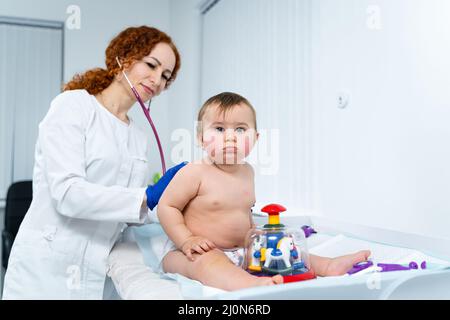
{"points": [[182, 189]]}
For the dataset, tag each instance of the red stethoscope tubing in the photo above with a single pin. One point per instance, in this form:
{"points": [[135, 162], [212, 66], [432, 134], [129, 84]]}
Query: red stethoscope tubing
{"points": [[147, 115]]}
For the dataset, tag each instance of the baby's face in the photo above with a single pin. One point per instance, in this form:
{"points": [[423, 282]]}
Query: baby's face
{"points": [[228, 139]]}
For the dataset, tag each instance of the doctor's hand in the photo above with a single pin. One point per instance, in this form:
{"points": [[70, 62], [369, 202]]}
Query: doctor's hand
{"points": [[196, 244], [155, 191]]}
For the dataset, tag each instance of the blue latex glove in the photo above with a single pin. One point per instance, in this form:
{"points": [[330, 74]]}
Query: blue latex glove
{"points": [[155, 191]]}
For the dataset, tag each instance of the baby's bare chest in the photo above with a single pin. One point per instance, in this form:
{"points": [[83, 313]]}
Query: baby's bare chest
{"points": [[227, 193]]}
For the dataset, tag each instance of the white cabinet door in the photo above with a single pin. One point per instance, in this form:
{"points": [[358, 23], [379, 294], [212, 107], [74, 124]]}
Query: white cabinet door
{"points": [[31, 57]]}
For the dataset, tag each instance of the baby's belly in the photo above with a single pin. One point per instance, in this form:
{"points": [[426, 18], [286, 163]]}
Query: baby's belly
{"points": [[226, 229]]}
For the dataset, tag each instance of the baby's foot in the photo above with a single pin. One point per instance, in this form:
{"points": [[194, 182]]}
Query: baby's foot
{"points": [[340, 265], [269, 281]]}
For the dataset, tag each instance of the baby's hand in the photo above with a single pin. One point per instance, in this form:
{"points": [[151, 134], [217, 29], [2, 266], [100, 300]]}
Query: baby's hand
{"points": [[340, 265], [196, 244]]}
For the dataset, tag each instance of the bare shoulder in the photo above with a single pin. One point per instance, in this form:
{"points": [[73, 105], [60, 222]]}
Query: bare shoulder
{"points": [[183, 187], [190, 171]]}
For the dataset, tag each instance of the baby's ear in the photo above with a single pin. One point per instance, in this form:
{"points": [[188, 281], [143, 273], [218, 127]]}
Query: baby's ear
{"points": [[256, 135]]}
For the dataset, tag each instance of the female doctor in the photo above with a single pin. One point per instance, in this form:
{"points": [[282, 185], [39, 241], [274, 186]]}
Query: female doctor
{"points": [[91, 172]]}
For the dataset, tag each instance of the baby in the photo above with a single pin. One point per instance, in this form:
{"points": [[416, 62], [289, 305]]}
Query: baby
{"points": [[206, 209]]}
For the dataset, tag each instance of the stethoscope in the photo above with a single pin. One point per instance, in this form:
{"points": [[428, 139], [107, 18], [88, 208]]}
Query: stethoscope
{"points": [[147, 115]]}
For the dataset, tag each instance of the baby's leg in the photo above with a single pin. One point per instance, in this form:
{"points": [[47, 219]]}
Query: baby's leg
{"points": [[214, 269]]}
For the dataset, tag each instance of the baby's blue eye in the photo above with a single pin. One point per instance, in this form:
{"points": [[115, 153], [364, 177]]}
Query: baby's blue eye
{"points": [[220, 129], [240, 130]]}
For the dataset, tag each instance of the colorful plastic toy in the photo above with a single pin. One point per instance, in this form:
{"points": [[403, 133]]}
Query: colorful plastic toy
{"points": [[275, 249]]}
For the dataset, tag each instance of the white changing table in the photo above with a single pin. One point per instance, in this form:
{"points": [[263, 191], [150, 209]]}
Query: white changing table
{"points": [[134, 280]]}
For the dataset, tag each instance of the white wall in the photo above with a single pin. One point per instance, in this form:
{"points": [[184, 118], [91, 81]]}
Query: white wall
{"points": [[85, 48], [258, 48], [184, 95], [383, 161]]}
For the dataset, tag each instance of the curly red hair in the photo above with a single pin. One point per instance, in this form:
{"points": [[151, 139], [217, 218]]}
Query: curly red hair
{"points": [[130, 45]]}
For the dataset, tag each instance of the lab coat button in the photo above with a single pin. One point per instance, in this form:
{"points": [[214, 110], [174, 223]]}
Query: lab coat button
{"points": [[49, 232], [49, 237]]}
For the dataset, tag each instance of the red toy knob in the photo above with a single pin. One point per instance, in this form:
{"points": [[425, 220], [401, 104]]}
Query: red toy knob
{"points": [[274, 213], [273, 209]]}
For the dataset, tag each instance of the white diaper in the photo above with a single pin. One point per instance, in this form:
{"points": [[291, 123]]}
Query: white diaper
{"points": [[162, 247], [235, 255]]}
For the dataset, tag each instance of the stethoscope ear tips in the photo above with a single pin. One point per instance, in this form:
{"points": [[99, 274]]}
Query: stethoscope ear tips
{"points": [[118, 62]]}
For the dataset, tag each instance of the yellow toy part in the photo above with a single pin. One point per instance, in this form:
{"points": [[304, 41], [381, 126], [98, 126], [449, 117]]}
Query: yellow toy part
{"points": [[255, 268], [263, 254]]}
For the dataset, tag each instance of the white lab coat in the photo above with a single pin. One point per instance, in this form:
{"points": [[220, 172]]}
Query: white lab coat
{"points": [[89, 180]]}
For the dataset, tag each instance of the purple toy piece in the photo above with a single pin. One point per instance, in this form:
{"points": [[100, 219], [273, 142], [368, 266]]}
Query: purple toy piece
{"points": [[360, 266], [385, 267], [413, 265], [308, 231]]}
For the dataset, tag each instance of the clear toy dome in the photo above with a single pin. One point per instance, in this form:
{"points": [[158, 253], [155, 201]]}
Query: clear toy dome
{"points": [[274, 248]]}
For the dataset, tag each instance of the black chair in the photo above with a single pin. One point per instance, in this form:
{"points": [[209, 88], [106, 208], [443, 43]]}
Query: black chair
{"points": [[18, 201]]}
